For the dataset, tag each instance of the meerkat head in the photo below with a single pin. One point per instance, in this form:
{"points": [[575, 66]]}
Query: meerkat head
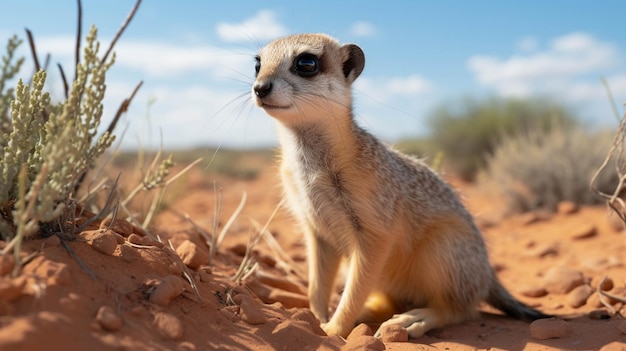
{"points": [[306, 76]]}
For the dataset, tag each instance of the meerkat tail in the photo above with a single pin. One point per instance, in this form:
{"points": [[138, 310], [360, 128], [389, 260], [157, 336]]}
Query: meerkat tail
{"points": [[501, 299]]}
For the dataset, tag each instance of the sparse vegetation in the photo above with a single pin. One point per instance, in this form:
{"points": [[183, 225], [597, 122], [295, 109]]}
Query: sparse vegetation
{"points": [[537, 167], [50, 146], [467, 132]]}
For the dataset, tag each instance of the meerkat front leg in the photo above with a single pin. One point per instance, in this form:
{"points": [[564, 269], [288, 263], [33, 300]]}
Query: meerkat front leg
{"points": [[363, 271], [323, 266]]}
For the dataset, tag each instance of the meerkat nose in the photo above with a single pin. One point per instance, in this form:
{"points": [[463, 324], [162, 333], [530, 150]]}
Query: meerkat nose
{"points": [[262, 89]]}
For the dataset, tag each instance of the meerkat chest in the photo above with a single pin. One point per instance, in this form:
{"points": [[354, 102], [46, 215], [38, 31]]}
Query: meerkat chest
{"points": [[326, 199]]}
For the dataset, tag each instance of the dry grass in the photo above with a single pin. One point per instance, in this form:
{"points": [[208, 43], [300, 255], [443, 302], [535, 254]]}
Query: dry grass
{"points": [[538, 168]]}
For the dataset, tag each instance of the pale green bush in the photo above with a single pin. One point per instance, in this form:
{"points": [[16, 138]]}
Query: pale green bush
{"points": [[537, 168], [48, 147]]}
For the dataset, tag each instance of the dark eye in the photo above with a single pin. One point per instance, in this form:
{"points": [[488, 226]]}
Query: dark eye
{"points": [[306, 65], [257, 66]]}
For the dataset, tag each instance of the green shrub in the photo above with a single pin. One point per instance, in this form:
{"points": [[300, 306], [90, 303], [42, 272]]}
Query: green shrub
{"points": [[467, 132], [537, 168], [48, 147]]}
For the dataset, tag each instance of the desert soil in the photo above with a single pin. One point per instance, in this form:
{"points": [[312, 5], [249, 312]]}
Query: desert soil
{"points": [[119, 289]]}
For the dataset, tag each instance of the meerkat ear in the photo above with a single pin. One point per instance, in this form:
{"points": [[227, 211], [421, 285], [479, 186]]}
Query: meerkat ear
{"points": [[353, 65]]}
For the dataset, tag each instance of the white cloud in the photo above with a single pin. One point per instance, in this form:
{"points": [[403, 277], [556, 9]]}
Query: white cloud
{"points": [[263, 26], [561, 68], [568, 70], [363, 29]]}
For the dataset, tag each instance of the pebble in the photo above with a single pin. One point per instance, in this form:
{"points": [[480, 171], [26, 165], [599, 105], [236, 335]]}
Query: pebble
{"points": [[561, 279], [585, 231], [149, 241], [363, 343], [168, 325], [108, 319], [104, 242], [307, 316], [567, 207], [270, 295], [534, 292], [167, 289], [549, 328], [394, 333], [192, 255], [117, 225], [134, 239], [249, 310], [578, 297], [607, 284], [542, 250], [361, 330]]}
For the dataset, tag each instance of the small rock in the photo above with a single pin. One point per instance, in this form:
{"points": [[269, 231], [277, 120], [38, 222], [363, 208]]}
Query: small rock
{"points": [[105, 243], [7, 263], [149, 241], [167, 289], [129, 253], [579, 296], [192, 255], [361, 330], [204, 276], [584, 232], [607, 283], [543, 250], [534, 292], [529, 218], [307, 316], [549, 328], [594, 301], [599, 315], [119, 226], [108, 319], [561, 279], [250, 310], [134, 239], [614, 346], [238, 249], [168, 325], [364, 343], [394, 333], [120, 239], [567, 207]]}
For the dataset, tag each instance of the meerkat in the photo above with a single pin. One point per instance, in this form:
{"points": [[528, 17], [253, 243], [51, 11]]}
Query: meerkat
{"points": [[403, 230]]}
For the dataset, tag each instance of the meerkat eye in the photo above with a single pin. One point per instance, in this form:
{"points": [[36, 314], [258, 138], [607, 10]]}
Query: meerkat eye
{"points": [[306, 65], [257, 65]]}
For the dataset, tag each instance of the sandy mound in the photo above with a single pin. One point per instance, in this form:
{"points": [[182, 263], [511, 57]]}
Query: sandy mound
{"points": [[114, 288]]}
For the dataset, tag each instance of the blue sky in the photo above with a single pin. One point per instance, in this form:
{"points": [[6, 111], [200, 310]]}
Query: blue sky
{"points": [[196, 58]]}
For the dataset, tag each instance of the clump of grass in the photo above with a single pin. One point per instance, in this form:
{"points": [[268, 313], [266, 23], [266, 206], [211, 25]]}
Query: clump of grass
{"points": [[466, 132], [538, 168]]}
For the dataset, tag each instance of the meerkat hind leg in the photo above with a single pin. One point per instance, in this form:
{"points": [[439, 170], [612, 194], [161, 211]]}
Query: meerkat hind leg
{"points": [[417, 321]]}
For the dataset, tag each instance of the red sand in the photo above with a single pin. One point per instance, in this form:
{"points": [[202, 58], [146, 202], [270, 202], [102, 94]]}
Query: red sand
{"points": [[139, 300]]}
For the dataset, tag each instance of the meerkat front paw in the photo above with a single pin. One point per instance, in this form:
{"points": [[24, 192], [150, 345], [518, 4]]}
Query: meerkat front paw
{"points": [[334, 329]]}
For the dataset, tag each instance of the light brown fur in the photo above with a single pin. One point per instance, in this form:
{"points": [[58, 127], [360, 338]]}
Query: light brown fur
{"points": [[402, 228]]}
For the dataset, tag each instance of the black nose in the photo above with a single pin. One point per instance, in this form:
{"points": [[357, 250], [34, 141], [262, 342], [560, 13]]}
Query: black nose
{"points": [[262, 89]]}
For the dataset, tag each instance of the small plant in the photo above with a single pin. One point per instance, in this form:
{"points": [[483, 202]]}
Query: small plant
{"points": [[537, 168], [466, 132], [51, 145]]}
